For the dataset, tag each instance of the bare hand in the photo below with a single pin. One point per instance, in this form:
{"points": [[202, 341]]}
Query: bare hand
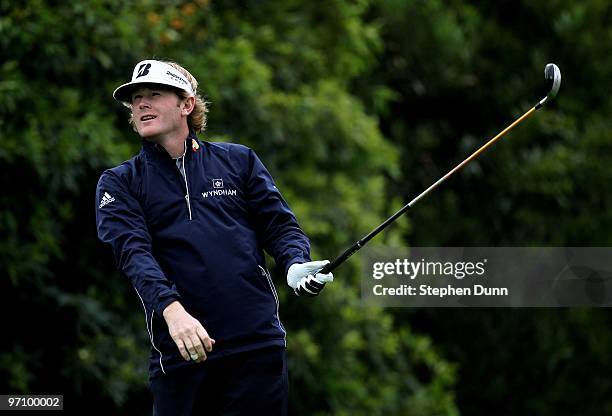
{"points": [[188, 333]]}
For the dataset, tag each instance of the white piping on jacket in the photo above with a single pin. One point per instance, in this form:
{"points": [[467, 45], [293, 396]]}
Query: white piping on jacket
{"points": [[150, 331], [269, 279]]}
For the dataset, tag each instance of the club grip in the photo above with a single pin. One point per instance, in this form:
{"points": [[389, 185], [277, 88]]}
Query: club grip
{"points": [[326, 269]]}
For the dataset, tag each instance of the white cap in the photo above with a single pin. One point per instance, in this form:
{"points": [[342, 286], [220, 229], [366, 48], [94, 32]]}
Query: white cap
{"points": [[153, 72]]}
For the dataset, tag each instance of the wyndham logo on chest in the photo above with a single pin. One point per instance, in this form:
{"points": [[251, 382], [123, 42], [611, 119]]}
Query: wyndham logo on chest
{"points": [[219, 190]]}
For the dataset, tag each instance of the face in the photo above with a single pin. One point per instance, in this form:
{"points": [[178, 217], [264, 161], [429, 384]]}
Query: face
{"points": [[159, 113]]}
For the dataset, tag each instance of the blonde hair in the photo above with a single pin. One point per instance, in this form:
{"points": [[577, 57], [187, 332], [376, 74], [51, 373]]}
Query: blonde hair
{"points": [[197, 119]]}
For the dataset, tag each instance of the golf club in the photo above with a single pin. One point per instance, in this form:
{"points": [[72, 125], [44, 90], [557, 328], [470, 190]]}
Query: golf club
{"points": [[552, 74]]}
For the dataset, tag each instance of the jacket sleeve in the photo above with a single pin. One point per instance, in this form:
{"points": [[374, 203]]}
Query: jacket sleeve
{"points": [[120, 223], [276, 224]]}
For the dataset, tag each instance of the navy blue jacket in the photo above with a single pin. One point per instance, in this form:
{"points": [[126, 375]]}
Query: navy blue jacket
{"points": [[200, 240]]}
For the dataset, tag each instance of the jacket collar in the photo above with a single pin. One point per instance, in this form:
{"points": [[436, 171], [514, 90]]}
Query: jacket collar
{"points": [[157, 151]]}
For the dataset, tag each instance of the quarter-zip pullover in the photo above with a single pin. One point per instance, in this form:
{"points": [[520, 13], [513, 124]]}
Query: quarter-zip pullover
{"points": [[199, 238]]}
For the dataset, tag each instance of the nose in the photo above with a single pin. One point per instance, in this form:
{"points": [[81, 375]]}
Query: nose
{"points": [[144, 103]]}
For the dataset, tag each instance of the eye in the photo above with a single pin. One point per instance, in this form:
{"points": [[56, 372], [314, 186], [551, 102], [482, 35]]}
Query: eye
{"points": [[154, 93]]}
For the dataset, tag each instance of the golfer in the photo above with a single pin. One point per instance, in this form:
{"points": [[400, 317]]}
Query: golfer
{"points": [[188, 222]]}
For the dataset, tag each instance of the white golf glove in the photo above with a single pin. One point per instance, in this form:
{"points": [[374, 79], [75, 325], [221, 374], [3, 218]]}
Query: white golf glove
{"points": [[304, 279]]}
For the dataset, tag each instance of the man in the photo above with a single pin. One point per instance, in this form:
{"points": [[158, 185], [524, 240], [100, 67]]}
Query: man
{"points": [[188, 222]]}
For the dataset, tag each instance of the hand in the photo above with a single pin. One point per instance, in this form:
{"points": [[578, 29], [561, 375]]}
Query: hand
{"points": [[305, 280], [188, 333]]}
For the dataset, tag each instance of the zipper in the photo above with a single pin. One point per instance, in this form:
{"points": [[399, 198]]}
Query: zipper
{"points": [[186, 187]]}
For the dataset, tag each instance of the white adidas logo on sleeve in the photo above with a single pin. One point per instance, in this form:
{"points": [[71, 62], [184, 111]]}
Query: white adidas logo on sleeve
{"points": [[106, 199]]}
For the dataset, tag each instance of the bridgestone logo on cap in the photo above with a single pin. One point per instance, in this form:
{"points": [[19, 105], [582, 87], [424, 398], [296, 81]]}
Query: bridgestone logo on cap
{"points": [[176, 77], [143, 70]]}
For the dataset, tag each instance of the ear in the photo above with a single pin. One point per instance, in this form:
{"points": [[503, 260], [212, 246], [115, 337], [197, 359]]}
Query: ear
{"points": [[187, 106]]}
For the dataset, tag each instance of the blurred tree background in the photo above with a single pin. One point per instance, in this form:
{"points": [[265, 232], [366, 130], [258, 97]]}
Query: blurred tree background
{"points": [[355, 107]]}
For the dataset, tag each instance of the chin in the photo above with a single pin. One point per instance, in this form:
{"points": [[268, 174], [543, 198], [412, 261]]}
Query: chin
{"points": [[147, 132]]}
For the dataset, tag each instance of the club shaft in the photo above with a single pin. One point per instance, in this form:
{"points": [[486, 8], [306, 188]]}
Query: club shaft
{"points": [[363, 241]]}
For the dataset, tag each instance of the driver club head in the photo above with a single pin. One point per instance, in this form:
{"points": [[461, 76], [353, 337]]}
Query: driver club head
{"points": [[552, 74]]}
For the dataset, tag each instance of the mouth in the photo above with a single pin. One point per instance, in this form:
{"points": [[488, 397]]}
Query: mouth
{"points": [[147, 118]]}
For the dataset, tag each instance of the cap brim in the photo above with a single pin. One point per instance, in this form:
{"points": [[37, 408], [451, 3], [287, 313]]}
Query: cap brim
{"points": [[124, 92]]}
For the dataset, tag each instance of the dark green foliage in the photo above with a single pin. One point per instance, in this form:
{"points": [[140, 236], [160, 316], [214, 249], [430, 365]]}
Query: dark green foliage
{"points": [[355, 107]]}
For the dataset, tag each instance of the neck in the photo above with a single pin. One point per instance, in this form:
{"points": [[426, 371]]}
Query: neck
{"points": [[173, 143]]}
